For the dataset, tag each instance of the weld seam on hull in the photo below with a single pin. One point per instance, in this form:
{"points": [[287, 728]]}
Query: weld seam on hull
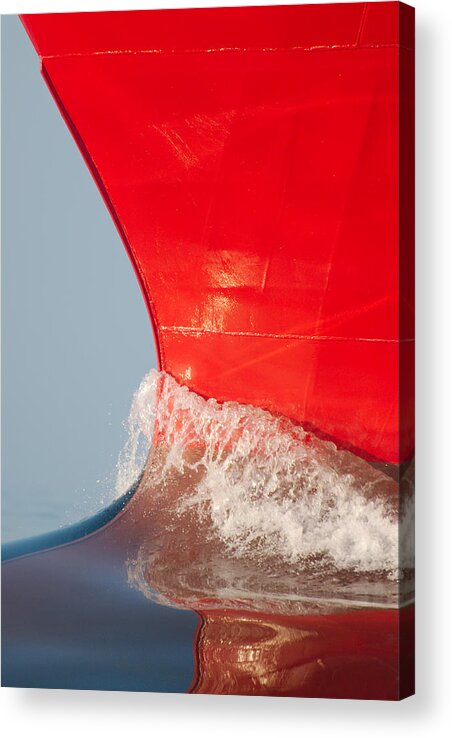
{"points": [[227, 49], [288, 336]]}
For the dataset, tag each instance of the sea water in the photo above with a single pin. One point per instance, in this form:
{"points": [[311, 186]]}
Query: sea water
{"points": [[252, 558], [249, 507]]}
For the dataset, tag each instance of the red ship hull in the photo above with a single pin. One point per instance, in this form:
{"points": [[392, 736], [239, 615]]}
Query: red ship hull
{"points": [[251, 159]]}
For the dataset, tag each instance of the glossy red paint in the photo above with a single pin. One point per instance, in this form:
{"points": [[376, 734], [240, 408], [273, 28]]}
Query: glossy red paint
{"points": [[366, 654], [251, 159]]}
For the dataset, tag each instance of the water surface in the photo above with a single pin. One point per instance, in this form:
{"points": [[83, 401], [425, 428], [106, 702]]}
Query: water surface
{"points": [[251, 558]]}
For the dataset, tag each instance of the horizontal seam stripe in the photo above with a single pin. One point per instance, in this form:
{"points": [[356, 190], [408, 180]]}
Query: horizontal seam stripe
{"points": [[296, 336], [225, 49]]}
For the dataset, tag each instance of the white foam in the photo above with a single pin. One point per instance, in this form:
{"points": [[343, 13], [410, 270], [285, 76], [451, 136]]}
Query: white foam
{"points": [[140, 426], [265, 487]]}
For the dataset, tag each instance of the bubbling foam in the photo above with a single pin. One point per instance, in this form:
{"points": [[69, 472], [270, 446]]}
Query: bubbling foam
{"points": [[265, 488]]}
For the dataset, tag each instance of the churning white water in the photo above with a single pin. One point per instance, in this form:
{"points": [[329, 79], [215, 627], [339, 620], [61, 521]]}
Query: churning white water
{"points": [[265, 487]]}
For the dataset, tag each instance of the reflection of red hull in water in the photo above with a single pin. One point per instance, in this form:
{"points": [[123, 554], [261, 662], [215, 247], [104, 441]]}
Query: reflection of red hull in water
{"points": [[250, 159], [359, 655]]}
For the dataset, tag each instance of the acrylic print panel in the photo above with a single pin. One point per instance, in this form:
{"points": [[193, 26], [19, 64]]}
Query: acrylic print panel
{"points": [[258, 165]]}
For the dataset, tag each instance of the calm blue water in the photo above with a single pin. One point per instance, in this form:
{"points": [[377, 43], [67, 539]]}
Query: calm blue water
{"points": [[71, 621]]}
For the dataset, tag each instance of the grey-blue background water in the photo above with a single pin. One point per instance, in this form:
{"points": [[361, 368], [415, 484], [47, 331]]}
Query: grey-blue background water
{"points": [[76, 338]]}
